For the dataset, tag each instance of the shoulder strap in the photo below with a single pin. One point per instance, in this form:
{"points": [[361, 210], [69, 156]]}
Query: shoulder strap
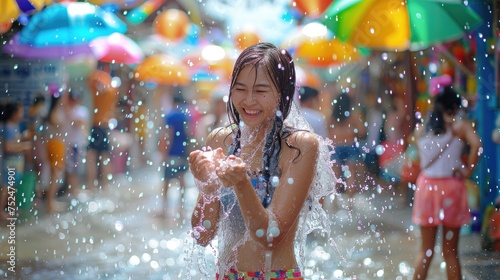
{"points": [[429, 163]]}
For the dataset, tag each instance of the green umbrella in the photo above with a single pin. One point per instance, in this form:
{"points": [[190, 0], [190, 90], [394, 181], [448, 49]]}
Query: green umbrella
{"points": [[398, 24]]}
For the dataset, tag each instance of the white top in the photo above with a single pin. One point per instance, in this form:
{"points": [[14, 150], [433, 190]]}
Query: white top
{"points": [[77, 134], [316, 120], [430, 145], [375, 120]]}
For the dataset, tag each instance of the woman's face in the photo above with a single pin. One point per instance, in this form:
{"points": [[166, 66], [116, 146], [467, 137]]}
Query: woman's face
{"points": [[254, 96]]}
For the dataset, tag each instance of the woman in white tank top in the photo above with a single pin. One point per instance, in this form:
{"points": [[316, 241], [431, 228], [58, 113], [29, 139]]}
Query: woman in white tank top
{"points": [[441, 194]]}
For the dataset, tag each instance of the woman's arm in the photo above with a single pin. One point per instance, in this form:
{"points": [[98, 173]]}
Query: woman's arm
{"points": [[467, 133], [291, 192], [15, 146], [205, 216]]}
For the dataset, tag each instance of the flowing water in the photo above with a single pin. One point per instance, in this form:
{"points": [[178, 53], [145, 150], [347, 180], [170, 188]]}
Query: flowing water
{"points": [[116, 235]]}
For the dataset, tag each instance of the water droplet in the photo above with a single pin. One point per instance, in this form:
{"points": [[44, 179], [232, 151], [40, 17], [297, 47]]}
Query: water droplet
{"points": [[274, 231], [207, 224], [275, 181], [449, 235], [290, 181], [134, 260], [118, 225], [441, 214], [428, 253], [259, 233]]}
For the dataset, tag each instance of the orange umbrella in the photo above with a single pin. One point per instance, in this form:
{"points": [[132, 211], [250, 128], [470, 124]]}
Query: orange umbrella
{"points": [[162, 69], [314, 45]]}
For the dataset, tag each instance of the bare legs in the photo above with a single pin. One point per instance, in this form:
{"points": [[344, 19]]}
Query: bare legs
{"points": [[450, 252], [96, 161], [426, 252], [349, 172], [166, 185], [55, 182]]}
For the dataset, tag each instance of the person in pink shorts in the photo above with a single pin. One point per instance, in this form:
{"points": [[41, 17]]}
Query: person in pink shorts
{"points": [[441, 194]]}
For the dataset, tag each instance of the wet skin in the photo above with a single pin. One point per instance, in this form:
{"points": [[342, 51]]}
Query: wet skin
{"points": [[256, 99]]}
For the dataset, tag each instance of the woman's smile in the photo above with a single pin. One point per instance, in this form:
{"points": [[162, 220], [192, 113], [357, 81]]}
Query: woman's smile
{"points": [[251, 113]]}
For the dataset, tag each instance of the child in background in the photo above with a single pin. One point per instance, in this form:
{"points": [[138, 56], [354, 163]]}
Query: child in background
{"points": [[14, 147]]}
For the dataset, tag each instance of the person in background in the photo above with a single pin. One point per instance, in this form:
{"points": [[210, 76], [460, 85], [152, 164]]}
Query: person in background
{"points": [[105, 98], [139, 125], [346, 130], [375, 134], [38, 155], [174, 146], [55, 129], [15, 145], [309, 106], [441, 193], [495, 134], [78, 118]]}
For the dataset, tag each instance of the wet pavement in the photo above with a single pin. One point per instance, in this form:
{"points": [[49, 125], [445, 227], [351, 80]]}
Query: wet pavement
{"points": [[117, 234]]}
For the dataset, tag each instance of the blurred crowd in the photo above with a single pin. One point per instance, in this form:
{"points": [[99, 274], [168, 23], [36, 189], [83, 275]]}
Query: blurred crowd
{"points": [[63, 149]]}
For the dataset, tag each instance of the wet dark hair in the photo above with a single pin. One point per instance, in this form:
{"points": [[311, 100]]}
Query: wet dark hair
{"points": [[447, 101], [8, 110], [54, 99], [279, 66], [341, 105]]}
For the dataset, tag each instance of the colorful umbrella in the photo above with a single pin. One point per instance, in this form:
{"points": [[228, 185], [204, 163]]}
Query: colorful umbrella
{"points": [[69, 24], [162, 69], [10, 9], [399, 25], [209, 61], [116, 48], [15, 48], [314, 45]]}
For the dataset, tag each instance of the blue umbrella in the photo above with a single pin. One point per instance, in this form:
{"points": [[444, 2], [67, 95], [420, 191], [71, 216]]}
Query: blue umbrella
{"points": [[15, 48], [72, 23]]}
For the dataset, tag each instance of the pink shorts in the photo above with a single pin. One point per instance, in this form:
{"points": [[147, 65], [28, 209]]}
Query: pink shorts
{"points": [[440, 201]]}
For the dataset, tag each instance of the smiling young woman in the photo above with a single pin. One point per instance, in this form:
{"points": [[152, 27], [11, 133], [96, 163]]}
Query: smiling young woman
{"points": [[261, 178]]}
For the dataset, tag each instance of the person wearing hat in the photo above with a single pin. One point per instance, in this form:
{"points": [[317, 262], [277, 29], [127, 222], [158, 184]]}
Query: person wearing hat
{"points": [[309, 104]]}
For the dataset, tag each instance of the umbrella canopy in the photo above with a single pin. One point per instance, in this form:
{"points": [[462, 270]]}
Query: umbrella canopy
{"points": [[15, 48], [116, 48], [209, 61], [399, 25], [162, 69], [11, 9], [69, 24], [314, 45]]}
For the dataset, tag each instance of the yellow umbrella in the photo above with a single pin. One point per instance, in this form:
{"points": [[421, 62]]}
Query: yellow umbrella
{"points": [[10, 9], [162, 69]]}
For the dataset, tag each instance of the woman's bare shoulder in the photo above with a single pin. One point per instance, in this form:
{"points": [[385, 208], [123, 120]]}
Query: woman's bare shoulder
{"points": [[220, 137], [303, 140]]}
